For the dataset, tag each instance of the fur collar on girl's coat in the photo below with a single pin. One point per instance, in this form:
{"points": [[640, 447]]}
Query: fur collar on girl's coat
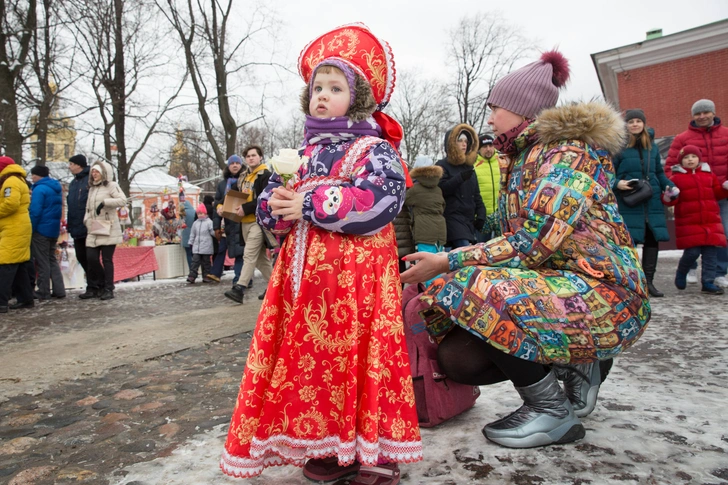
{"points": [[454, 155], [703, 167], [428, 176]]}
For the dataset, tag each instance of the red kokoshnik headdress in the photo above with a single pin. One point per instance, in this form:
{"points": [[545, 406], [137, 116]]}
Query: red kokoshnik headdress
{"points": [[354, 44], [370, 57]]}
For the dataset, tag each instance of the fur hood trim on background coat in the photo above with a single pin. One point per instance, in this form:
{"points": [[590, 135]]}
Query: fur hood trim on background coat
{"points": [[454, 156], [430, 171], [595, 123]]}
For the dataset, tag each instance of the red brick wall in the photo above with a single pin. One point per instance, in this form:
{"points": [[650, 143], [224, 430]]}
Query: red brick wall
{"points": [[667, 91]]}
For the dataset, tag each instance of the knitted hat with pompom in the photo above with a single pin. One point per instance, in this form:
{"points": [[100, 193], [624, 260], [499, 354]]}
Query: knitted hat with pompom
{"points": [[534, 87]]}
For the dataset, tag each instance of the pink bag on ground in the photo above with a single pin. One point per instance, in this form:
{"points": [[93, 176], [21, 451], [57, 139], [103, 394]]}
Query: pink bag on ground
{"points": [[437, 399]]}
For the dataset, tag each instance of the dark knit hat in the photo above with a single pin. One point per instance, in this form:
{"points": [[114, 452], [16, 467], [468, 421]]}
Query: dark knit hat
{"points": [[5, 161], [234, 159], [631, 114], [703, 106], [79, 160], [484, 139], [40, 171], [532, 88], [690, 149]]}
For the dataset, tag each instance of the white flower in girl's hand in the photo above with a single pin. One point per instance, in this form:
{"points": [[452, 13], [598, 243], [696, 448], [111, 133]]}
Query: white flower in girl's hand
{"points": [[287, 163]]}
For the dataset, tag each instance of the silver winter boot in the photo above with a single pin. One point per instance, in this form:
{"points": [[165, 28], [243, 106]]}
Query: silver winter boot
{"points": [[546, 417], [581, 384]]}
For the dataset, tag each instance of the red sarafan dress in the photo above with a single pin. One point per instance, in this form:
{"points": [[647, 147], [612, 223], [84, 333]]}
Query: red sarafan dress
{"points": [[327, 373]]}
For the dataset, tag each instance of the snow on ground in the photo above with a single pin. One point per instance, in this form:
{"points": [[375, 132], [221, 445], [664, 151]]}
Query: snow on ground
{"points": [[661, 418]]}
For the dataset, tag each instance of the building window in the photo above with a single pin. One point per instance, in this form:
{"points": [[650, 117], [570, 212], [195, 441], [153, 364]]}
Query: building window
{"points": [[136, 217], [67, 151], [49, 150]]}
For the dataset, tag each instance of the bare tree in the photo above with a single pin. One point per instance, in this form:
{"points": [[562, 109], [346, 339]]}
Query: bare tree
{"points": [[422, 107], [18, 26], [120, 47], [483, 48], [210, 45], [42, 92]]}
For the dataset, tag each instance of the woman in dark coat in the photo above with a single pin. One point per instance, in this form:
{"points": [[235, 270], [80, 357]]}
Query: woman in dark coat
{"points": [[464, 209], [233, 236], [646, 222]]}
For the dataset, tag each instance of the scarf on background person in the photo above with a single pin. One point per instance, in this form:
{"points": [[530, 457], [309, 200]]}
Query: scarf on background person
{"points": [[323, 131]]}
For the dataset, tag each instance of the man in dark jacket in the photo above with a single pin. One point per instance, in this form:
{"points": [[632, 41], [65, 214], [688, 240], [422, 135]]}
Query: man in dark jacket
{"points": [[464, 209], [76, 207], [707, 133], [46, 208]]}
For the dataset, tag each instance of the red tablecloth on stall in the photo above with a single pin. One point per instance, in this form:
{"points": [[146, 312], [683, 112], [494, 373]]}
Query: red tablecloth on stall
{"points": [[134, 261]]}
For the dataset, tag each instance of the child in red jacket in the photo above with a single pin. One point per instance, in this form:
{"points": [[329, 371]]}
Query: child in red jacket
{"points": [[698, 227]]}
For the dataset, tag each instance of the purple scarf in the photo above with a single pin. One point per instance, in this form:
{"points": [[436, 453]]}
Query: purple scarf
{"points": [[505, 143], [322, 131]]}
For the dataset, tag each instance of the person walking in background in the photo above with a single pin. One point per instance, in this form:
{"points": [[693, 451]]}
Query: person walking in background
{"points": [[698, 226], [425, 202], [231, 242], [487, 169], [76, 209], [15, 237], [189, 219], [646, 221], [46, 209], [707, 132], [104, 229], [464, 209], [252, 181], [427, 205], [201, 236]]}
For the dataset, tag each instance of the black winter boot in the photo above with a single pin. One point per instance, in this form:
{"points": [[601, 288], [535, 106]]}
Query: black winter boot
{"points": [[90, 293], [236, 293], [649, 265], [107, 295]]}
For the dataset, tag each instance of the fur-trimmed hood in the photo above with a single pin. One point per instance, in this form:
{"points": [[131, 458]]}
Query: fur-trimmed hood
{"points": [[595, 123], [454, 155], [428, 176], [362, 107], [107, 173]]}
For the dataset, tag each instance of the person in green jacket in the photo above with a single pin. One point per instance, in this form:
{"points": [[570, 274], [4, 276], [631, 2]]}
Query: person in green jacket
{"points": [[488, 172]]}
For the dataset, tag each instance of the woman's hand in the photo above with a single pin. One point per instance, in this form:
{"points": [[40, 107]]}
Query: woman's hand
{"points": [[428, 265], [286, 203], [623, 185]]}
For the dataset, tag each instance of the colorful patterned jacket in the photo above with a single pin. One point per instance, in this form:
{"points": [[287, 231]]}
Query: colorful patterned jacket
{"points": [[557, 208], [362, 205]]}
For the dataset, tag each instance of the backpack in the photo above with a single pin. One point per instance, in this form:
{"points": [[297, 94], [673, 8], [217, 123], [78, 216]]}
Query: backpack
{"points": [[436, 398]]}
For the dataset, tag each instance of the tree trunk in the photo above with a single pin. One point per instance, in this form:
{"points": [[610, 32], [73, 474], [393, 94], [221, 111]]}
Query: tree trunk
{"points": [[118, 97], [12, 139]]}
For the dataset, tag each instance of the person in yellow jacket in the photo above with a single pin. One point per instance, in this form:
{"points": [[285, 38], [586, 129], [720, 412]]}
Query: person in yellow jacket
{"points": [[488, 172], [15, 236]]}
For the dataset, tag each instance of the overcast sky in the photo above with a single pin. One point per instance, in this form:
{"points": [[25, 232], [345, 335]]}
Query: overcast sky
{"points": [[416, 30]]}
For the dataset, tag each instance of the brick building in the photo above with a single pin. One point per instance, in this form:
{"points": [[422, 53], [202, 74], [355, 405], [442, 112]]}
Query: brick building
{"points": [[664, 76]]}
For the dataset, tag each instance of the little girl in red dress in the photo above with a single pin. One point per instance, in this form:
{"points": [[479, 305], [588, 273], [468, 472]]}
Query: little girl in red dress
{"points": [[327, 383]]}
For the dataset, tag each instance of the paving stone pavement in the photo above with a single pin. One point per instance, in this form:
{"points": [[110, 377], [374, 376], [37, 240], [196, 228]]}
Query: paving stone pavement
{"points": [[100, 429]]}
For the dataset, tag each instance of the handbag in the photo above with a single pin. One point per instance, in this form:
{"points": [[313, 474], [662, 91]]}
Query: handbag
{"points": [[100, 228], [642, 190]]}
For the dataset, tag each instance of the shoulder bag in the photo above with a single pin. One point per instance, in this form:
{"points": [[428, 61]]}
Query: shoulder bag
{"points": [[642, 190]]}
